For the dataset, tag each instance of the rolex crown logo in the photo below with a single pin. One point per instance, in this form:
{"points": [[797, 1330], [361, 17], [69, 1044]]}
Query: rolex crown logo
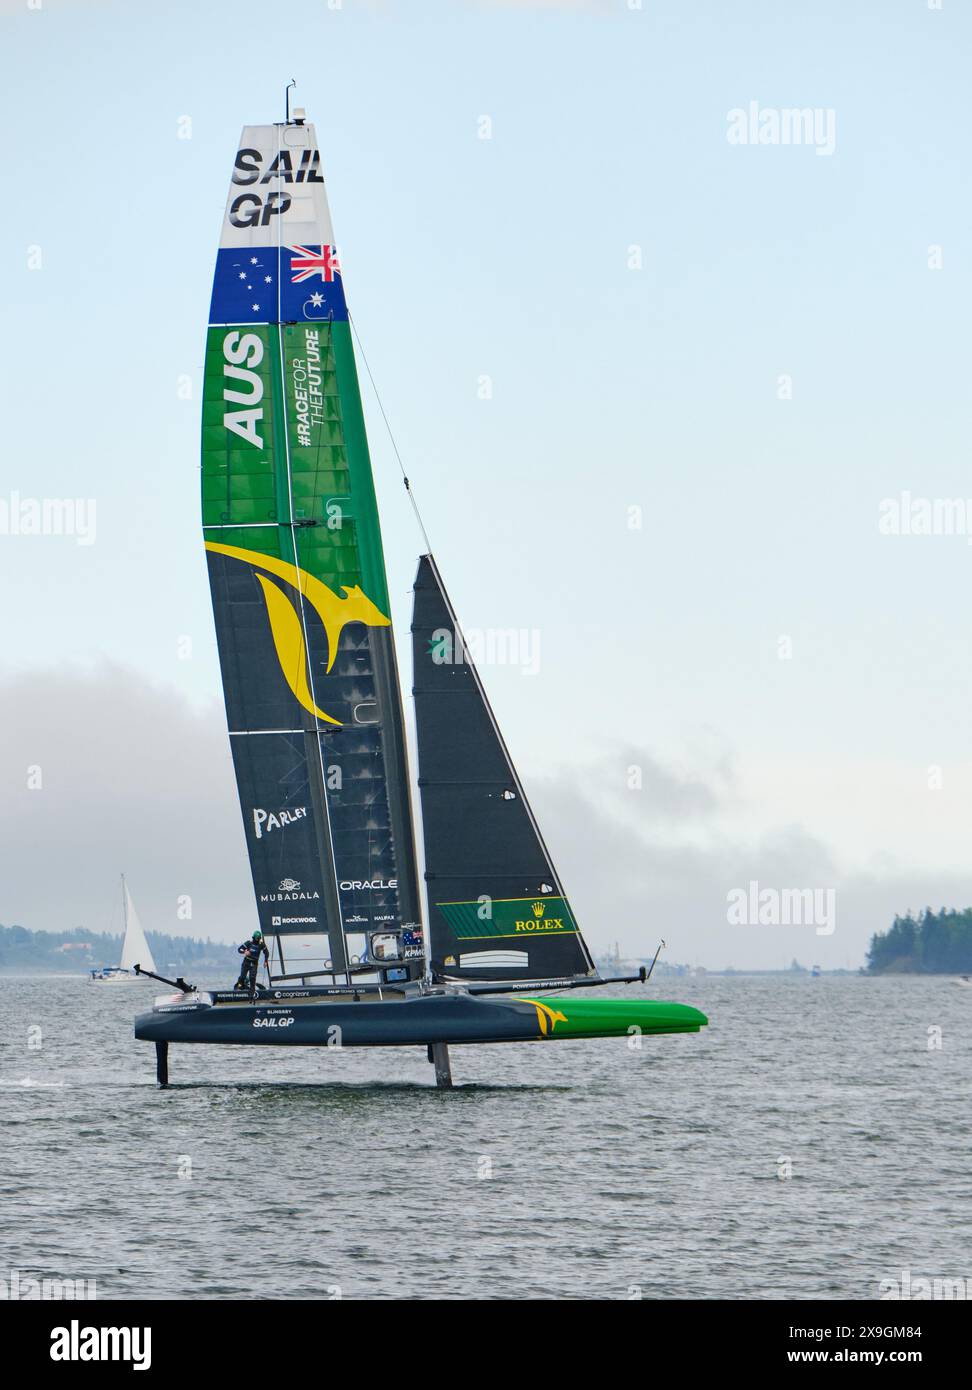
{"points": [[537, 909]]}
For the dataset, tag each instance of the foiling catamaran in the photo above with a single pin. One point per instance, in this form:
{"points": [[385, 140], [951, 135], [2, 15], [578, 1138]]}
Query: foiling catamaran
{"points": [[310, 680]]}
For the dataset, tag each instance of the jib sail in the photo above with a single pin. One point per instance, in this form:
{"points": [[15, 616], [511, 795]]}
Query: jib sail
{"points": [[297, 575], [497, 909]]}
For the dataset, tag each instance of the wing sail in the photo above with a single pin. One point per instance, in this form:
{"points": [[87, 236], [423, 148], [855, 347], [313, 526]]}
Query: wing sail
{"points": [[300, 599]]}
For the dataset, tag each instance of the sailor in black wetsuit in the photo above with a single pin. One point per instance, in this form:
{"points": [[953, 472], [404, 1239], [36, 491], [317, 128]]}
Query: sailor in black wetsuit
{"points": [[250, 951]]}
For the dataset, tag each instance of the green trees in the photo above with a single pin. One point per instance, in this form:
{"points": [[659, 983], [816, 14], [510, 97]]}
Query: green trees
{"points": [[21, 949], [931, 943]]}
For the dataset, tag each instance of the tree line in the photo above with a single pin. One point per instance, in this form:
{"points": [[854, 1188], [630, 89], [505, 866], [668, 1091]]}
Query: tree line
{"points": [[933, 943], [22, 949]]}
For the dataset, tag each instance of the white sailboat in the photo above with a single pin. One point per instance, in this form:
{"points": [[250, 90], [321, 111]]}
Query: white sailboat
{"points": [[135, 948]]}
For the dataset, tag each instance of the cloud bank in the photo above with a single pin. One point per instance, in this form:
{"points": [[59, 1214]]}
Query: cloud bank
{"points": [[103, 772]]}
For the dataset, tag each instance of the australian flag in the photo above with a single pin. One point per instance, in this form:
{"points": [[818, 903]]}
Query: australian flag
{"points": [[273, 284]]}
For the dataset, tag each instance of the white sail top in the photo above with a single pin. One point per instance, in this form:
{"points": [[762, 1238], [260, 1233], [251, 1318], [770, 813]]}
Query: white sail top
{"points": [[135, 949], [277, 192]]}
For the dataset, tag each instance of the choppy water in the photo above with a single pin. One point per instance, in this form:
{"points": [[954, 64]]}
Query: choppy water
{"points": [[608, 1170]]}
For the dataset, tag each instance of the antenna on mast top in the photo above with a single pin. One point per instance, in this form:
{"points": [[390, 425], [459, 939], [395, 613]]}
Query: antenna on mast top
{"points": [[291, 83]]}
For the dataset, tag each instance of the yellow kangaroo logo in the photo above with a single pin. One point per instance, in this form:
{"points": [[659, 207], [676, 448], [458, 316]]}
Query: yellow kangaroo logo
{"points": [[546, 1015], [285, 624]]}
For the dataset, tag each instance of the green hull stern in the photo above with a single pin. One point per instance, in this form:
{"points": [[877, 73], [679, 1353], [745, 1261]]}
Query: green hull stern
{"points": [[570, 1017]]}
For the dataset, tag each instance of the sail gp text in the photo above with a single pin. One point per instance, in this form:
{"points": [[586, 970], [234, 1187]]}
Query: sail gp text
{"points": [[273, 1022], [252, 209]]}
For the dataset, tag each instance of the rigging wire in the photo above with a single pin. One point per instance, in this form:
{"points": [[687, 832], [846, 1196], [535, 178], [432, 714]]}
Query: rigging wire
{"points": [[381, 407]]}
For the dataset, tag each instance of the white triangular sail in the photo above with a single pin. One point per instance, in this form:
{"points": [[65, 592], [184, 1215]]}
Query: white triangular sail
{"points": [[135, 948]]}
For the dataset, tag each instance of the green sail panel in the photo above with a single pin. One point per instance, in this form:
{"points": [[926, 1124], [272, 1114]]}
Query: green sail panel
{"points": [[300, 598]]}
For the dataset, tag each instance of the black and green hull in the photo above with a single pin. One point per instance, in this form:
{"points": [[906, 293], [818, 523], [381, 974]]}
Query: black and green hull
{"points": [[304, 1019]]}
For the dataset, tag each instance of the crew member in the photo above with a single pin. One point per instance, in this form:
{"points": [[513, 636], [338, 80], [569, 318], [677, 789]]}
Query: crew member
{"points": [[250, 951]]}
